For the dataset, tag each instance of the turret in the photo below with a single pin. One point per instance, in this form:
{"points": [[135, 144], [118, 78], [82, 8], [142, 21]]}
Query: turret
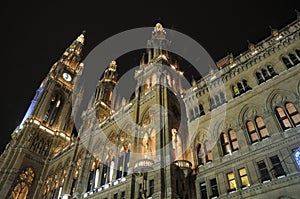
{"points": [[104, 92]]}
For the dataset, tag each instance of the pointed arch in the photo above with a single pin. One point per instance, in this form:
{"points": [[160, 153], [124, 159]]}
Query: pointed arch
{"points": [[23, 183], [248, 111], [278, 97]]}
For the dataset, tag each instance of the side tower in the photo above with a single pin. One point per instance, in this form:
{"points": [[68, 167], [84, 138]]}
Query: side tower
{"points": [[45, 131], [104, 92]]}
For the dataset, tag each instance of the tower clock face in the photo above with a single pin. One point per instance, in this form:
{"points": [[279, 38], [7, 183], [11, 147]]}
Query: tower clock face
{"points": [[67, 77]]}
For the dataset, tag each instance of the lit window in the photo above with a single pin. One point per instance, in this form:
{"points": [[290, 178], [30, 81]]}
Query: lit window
{"points": [[293, 113], [225, 144], [235, 90], [233, 140], [244, 177], [199, 154], [207, 151], [252, 131], [231, 182], [24, 181], [288, 116], [297, 156], [257, 130], [240, 88], [229, 142], [261, 127]]}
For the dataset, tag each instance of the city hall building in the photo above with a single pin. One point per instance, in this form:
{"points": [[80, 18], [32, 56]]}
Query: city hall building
{"points": [[233, 133]]}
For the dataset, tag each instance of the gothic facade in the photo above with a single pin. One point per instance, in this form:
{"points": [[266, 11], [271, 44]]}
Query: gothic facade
{"points": [[234, 133]]}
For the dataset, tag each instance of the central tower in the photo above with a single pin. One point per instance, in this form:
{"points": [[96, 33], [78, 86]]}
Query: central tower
{"points": [[161, 140]]}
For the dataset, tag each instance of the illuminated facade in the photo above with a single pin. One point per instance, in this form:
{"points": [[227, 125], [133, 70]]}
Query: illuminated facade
{"points": [[256, 153]]}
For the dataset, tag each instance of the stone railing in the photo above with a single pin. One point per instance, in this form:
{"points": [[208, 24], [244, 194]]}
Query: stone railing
{"points": [[183, 164], [143, 165]]}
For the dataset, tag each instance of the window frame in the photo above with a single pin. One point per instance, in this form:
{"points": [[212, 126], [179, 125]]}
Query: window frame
{"points": [[277, 165], [257, 129], [287, 116], [263, 172]]}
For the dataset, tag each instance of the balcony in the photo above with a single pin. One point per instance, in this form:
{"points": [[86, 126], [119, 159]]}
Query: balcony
{"points": [[185, 166], [143, 165]]}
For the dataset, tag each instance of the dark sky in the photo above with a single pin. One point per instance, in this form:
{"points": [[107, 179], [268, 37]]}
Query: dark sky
{"points": [[34, 35]]}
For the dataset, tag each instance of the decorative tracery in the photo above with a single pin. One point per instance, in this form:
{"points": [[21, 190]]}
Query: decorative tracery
{"points": [[24, 182]]}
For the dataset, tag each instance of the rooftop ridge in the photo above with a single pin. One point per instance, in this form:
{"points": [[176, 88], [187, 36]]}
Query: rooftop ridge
{"points": [[277, 35]]}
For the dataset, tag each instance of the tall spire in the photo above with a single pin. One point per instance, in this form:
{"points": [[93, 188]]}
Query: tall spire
{"points": [[157, 43], [73, 54]]}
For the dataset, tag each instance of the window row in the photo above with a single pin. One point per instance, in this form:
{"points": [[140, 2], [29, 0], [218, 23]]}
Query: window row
{"points": [[196, 112], [287, 115], [238, 179], [240, 88], [265, 74], [292, 59], [217, 100]]}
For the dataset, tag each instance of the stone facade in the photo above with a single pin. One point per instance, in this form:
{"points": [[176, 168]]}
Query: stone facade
{"points": [[233, 134]]}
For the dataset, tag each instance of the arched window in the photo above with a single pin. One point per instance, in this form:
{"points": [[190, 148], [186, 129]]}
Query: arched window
{"points": [[123, 160], [207, 151], [225, 144], [265, 74], [176, 144], [148, 141], [229, 142], [212, 103], [201, 110], [261, 127], [191, 114], [222, 98], [271, 71], [217, 100], [288, 115], [246, 85], [257, 130], [298, 52], [259, 77], [91, 176], [53, 110], [200, 155], [108, 168], [74, 182], [24, 181], [235, 90], [294, 59], [240, 87], [287, 62]]}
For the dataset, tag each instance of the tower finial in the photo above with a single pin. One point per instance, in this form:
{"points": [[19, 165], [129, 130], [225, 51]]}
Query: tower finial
{"points": [[251, 46], [80, 38], [274, 31]]}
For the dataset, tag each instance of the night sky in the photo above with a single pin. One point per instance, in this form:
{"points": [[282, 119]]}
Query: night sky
{"points": [[34, 35]]}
